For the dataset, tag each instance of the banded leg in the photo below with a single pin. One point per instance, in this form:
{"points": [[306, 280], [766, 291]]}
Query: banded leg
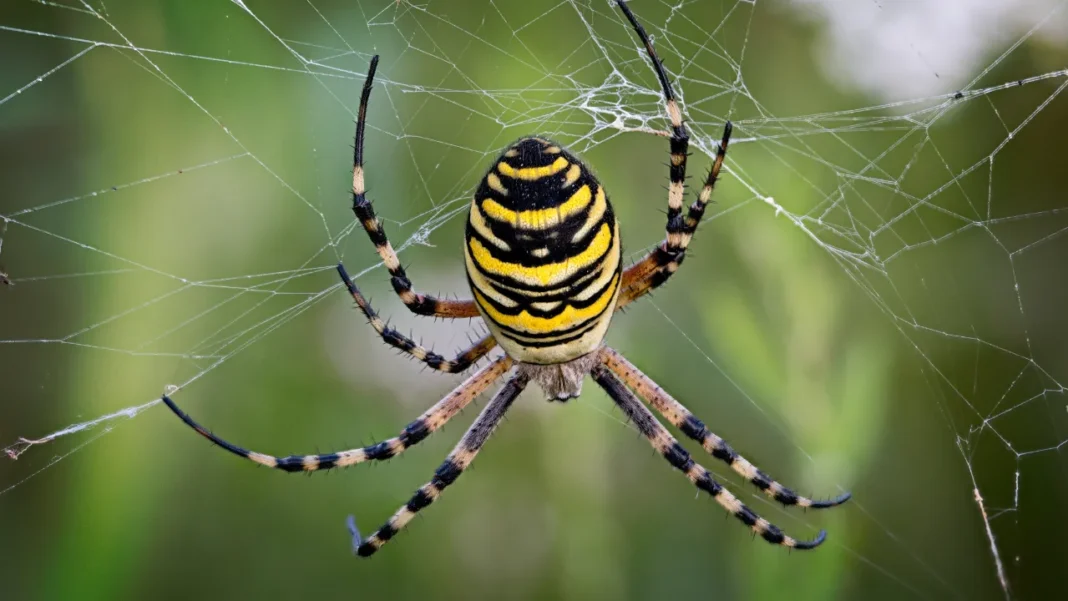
{"points": [[459, 459], [677, 456], [434, 418], [420, 304], [392, 337], [664, 260], [681, 418]]}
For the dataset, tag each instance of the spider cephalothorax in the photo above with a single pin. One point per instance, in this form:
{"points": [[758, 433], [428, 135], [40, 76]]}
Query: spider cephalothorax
{"points": [[543, 261]]}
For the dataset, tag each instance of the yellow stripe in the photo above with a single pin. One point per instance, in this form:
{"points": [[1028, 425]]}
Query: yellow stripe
{"points": [[483, 285], [532, 173], [539, 219], [495, 184], [477, 222], [492, 289], [572, 175], [609, 267], [537, 325], [543, 275], [596, 212]]}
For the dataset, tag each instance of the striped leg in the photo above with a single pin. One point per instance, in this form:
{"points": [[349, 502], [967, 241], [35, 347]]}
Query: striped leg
{"points": [[459, 459], [419, 304], [681, 418], [677, 456], [663, 261], [394, 338], [434, 418]]}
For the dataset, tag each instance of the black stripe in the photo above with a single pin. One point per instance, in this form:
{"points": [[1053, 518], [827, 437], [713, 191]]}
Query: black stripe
{"points": [[531, 153], [541, 193], [520, 296], [678, 457], [420, 500], [435, 361], [549, 343], [786, 497], [557, 240], [544, 193], [746, 516], [679, 147], [697, 211], [707, 484], [395, 338], [415, 433], [380, 451], [676, 224], [293, 463], [583, 325], [328, 461], [724, 452], [773, 535], [386, 532], [377, 236], [694, 428], [569, 282], [526, 303], [446, 474]]}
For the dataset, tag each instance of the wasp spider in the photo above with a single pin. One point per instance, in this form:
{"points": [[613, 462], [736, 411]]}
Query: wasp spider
{"points": [[543, 260]]}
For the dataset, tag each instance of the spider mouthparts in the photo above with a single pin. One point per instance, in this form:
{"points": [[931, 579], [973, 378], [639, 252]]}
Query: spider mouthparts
{"points": [[357, 540]]}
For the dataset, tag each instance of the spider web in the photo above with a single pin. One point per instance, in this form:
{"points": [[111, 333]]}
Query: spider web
{"points": [[166, 249]]}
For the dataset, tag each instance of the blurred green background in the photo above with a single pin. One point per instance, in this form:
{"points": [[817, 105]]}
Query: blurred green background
{"points": [[175, 198]]}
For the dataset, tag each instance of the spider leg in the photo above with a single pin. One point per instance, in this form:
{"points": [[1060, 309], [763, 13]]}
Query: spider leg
{"points": [[681, 418], [392, 337], [433, 419], [662, 262], [420, 304], [458, 460], [677, 456]]}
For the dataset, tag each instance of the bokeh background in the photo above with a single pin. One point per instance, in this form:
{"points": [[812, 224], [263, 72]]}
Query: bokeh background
{"points": [[876, 303]]}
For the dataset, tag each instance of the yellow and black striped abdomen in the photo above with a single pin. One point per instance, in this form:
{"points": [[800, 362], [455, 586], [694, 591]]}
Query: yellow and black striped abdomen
{"points": [[542, 253]]}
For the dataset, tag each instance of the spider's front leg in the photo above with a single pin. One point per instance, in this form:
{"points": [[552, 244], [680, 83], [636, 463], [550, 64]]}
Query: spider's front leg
{"points": [[420, 304], [662, 262], [392, 337]]}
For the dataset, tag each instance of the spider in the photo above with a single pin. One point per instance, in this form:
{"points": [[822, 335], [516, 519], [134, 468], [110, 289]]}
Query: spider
{"points": [[543, 261]]}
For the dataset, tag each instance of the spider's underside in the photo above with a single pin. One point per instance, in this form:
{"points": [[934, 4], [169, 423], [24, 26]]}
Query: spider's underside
{"points": [[543, 260]]}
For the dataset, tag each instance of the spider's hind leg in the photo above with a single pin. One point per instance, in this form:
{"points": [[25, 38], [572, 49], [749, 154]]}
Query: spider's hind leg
{"points": [[677, 456], [695, 429], [458, 460]]}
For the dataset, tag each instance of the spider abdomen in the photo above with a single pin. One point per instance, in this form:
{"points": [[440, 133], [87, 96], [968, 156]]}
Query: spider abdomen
{"points": [[543, 254]]}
